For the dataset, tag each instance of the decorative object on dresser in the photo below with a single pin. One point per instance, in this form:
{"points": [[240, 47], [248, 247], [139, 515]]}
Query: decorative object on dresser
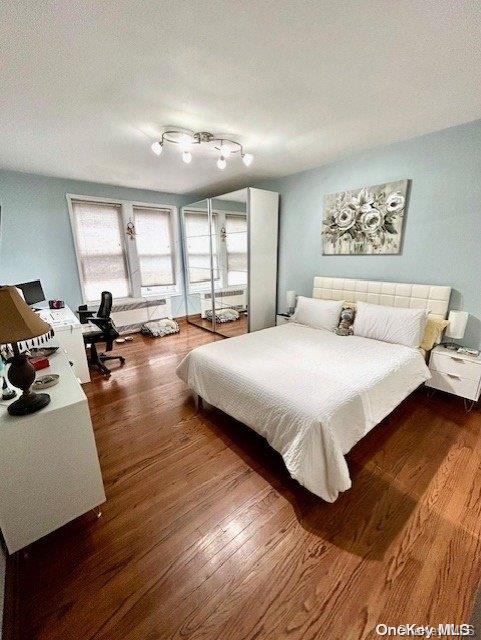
{"points": [[7, 393], [365, 221], [457, 321], [456, 373], [56, 304], [19, 325]]}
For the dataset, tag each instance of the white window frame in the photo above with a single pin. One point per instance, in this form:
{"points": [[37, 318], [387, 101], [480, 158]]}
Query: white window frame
{"points": [[201, 287], [225, 272], [130, 247]]}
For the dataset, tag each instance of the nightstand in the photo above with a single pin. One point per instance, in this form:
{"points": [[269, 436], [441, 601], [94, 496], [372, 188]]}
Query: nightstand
{"points": [[282, 318], [456, 373]]}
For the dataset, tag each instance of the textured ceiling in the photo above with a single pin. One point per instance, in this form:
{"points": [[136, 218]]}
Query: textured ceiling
{"points": [[86, 86]]}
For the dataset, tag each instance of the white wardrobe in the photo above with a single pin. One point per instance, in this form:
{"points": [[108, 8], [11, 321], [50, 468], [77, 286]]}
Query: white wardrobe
{"points": [[230, 261]]}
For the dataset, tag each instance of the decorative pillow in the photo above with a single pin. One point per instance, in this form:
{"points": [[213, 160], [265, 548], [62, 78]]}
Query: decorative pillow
{"points": [[433, 332], [319, 314], [347, 320], [390, 324]]}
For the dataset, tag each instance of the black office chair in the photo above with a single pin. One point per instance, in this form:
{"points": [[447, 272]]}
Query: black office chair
{"points": [[107, 332]]}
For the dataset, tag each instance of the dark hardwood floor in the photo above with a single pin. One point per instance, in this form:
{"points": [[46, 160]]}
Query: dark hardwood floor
{"points": [[205, 536]]}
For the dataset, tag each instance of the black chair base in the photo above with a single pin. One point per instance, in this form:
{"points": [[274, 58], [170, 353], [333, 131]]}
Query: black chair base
{"points": [[97, 359]]}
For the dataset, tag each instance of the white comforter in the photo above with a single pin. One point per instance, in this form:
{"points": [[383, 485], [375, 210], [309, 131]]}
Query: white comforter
{"points": [[310, 393]]}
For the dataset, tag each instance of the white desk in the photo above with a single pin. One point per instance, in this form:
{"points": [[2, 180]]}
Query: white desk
{"points": [[68, 335], [49, 467]]}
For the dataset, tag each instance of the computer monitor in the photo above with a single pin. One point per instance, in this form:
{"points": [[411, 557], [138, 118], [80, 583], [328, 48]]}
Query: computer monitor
{"points": [[32, 291]]}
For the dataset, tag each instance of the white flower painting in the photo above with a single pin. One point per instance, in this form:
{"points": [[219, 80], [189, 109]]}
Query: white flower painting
{"points": [[365, 221]]}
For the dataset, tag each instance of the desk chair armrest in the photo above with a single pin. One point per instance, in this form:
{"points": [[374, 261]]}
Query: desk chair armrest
{"points": [[84, 314]]}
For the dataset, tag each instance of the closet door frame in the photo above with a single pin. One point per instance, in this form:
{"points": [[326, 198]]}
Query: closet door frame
{"points": [[262, 256]]}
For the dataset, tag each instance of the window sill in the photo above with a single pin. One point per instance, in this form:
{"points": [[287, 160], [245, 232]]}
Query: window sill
{"points": [[130, 299]]}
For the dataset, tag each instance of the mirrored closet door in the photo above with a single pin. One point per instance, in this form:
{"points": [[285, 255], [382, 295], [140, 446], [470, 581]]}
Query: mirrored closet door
{"points": [[200, 263], [231, 289], [230, 244]]}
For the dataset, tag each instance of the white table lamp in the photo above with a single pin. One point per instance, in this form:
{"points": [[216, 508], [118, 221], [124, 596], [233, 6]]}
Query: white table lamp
{"points": [[457, 325], [291, 301]]}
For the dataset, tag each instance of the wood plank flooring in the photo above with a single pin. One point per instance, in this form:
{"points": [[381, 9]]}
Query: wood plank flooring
{"points": [[226, 329], [204, 536]]}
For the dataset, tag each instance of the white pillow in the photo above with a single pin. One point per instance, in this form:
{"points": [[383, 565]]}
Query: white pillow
{"points": [[319, 314], [390, 324]]}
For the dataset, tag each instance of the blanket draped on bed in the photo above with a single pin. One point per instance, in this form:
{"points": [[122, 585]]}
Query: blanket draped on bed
{"points": [[312, 394]]}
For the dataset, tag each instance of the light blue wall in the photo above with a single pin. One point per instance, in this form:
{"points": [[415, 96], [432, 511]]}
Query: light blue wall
{"points": [[442, 230], [36, 238], [442, 242]]}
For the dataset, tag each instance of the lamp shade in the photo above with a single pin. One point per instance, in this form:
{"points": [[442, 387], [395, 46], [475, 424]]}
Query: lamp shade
{"points": [[17, 321], [291, 299], [457, 324]]}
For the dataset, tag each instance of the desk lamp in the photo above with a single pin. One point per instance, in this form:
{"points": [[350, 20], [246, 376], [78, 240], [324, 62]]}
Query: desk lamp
{"points": [[456, 328], [19, 326]]}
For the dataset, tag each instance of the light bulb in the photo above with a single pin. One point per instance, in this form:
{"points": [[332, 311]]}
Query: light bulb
{"points": [[221, 163], [186, 156], [247, 159], [224, 150], [156, 148], [185, 142]]}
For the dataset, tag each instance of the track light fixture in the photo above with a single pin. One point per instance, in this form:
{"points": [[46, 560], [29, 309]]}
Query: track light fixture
{"points": [[186, 139]]}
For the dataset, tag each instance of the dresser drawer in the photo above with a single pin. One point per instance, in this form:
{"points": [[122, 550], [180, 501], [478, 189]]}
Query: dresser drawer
{"points": [[455, 365], [451, 383]]}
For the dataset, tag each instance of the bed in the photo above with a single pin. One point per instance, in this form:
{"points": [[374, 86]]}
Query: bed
{"points": [[311, 393]]}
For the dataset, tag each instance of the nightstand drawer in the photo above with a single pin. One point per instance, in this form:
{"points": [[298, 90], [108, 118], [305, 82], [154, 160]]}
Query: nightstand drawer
{"points": [[451, 383], [455, 365]]}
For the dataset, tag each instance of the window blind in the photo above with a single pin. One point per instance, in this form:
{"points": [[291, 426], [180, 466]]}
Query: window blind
{"points": [[198, 247], [236, 249], [153, 235], [99, 235]]}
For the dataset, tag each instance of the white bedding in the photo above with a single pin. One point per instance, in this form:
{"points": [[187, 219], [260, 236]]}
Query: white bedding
{"points": [[312, 394]]}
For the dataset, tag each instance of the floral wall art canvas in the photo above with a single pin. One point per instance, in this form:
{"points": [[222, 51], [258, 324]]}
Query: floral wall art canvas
{"points": [[365, 221]]}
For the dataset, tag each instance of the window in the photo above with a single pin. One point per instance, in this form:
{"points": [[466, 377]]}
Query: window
{"points": [[198, 247], [229, 245], [236, 249], [154, 238], [145, 263], [98, 228]]}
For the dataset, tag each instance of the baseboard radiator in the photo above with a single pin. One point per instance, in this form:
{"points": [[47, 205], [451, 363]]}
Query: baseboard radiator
{"points": [[229, 299], [129, 316]]}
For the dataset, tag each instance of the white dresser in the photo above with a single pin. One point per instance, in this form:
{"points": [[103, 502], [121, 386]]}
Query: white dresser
{"points": [[69, 336], [49, 467], [459, 374]]}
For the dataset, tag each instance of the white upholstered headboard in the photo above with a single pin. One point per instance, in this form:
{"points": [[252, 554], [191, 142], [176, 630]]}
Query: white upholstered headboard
{"points": [[434, 298]]}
